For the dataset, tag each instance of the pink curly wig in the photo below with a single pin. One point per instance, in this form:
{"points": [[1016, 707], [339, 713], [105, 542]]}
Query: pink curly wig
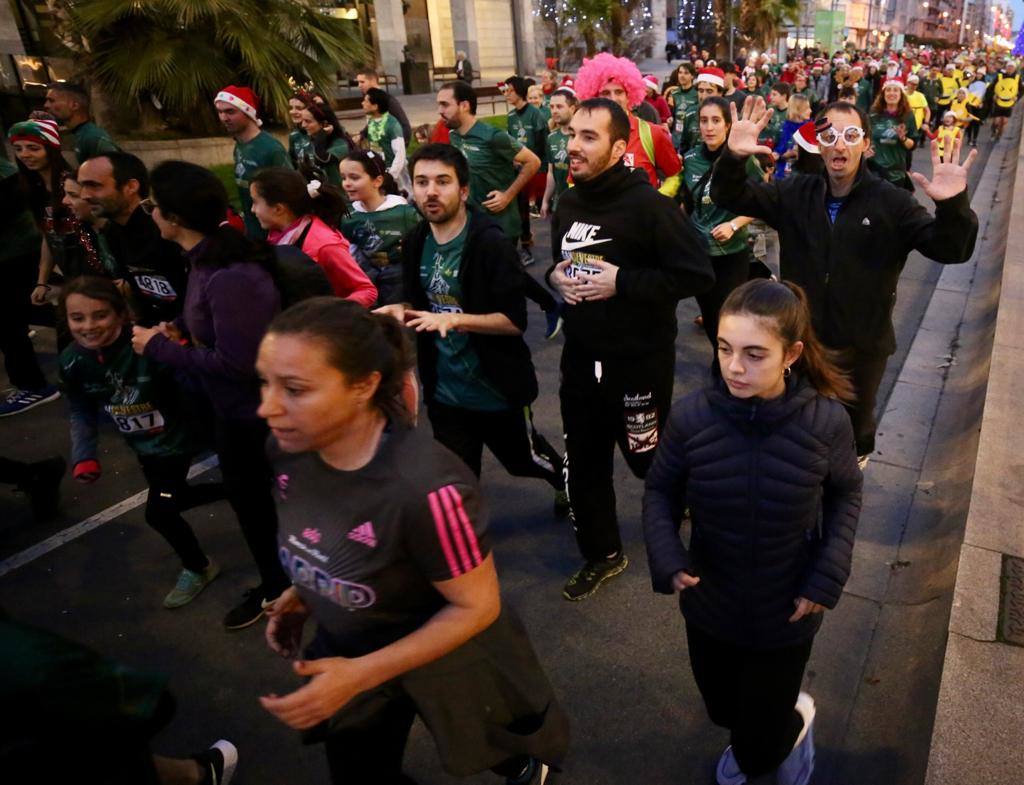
{"points": [[604, 68]]}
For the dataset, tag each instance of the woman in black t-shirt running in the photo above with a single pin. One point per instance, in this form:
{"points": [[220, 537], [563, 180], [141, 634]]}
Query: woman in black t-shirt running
{"points": [[384, 536]]}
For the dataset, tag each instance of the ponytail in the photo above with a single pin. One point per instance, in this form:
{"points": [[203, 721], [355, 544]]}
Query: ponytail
{"points": [[277, 185], [373, 164], [358, 343], [785, 306]]}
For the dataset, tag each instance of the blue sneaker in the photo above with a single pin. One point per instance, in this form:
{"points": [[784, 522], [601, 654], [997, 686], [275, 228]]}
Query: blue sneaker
{"points": [[799, 766], [22, 400], [554, 322]]}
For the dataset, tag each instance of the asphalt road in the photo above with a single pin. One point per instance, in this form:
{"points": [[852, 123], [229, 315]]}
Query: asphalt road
{"points": [[618, 660]]}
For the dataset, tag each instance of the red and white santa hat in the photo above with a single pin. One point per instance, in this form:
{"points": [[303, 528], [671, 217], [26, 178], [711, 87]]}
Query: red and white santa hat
{"points": [[893, 81], [568, 84], [243, 99], [807, 137], [715, 76], [651, 82]]}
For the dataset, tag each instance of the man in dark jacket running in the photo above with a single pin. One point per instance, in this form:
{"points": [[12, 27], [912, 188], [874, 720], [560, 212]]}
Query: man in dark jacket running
{"points": [[465, 297], [845, 236], [624, 257]]}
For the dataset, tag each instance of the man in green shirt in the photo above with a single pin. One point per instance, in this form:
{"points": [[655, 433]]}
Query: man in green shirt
{"points": [[238, 111], [563, 105], [69, 103], [499, 166], [528, 126], [683, 99], [464, 289], [384, 133]]}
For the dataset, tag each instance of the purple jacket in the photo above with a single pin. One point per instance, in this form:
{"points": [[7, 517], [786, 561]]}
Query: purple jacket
{"points": [[226, 313]]}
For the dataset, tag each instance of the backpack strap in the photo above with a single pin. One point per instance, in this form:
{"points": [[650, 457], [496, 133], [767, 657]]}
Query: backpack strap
{"points": [[646, 140], [671, 184]]}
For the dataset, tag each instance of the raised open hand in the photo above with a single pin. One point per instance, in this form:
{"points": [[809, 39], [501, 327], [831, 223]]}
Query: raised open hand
{"points": [[949, 177], [747, 127]]}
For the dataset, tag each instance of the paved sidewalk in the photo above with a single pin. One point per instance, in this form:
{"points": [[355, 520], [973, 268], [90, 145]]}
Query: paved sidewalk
{"points": [[978, 727]]}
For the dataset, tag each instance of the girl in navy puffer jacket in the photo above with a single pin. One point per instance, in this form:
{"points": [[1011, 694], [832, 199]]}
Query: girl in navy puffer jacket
{"points": [[764, 459]]}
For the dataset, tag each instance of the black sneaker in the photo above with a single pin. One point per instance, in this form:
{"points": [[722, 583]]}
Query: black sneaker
{"points": [[43, 487], [218, 763], [526, 256], [248, 612], [591, 575], [536, 773]]}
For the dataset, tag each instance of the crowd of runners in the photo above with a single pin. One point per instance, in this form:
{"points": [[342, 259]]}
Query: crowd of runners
{"points": [[350, 339]]}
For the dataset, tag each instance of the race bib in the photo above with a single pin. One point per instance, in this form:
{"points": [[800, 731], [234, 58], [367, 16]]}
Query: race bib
{"points": [[444, 308], [143, 422], [156, 286], [579, 267]]}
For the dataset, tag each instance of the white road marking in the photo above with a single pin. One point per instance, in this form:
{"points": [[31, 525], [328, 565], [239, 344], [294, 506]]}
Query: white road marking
{"points": [[84, 527]]}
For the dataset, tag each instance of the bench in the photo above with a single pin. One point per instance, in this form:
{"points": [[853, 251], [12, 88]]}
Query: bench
{"points": [[489, 95], [386, 81], [446, 73], [350, 108]]}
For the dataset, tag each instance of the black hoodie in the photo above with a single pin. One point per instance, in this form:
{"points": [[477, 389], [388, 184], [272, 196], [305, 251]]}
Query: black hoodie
{"points": [[620, 219]]}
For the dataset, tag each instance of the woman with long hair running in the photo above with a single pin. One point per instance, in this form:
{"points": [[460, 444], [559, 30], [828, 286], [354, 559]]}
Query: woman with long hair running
{"points": [[383, 533], [329, 142], [230, 299], [764, 460], [378, 223], [725, 232], [39, 186], [893, 131], [294, 212]]}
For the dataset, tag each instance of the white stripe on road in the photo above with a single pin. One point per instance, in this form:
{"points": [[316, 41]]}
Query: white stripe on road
{"points": [[84, 527]]}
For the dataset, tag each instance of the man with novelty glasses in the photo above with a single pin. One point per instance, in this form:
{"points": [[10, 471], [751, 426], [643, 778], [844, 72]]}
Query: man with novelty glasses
{"points": [[845, 236]]}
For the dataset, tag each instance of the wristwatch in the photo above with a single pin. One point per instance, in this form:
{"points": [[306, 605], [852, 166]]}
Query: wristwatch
{"points": [[734, 227]]}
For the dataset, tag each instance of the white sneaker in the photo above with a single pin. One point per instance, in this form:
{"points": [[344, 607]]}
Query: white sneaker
{"points": [[799, 766], [862, 461], [728, 771]]}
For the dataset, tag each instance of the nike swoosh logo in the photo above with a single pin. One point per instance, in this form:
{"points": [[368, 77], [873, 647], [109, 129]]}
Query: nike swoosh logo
{"points": [[572, 245]]}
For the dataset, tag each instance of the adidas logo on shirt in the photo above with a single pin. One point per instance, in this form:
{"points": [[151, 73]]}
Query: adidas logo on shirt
{"points": [[364, 533]]}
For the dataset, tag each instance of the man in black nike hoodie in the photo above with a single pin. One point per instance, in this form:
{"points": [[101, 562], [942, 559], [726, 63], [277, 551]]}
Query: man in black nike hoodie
{"points": [[624, 257]]}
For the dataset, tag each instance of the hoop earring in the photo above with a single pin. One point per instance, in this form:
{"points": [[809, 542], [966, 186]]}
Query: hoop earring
{"points": [[788, 372]]}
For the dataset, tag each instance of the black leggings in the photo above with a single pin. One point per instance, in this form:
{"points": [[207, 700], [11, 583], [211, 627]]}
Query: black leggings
{"points": [[169, 496], [731, 270], [753, 693], [241, 447]]}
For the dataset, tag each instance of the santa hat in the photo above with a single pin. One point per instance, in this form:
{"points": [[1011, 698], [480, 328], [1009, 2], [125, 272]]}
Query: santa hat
{"points": [[243, 99], [44, 132], [715, 76], [807, 137], [892, 81], [651, 82]]}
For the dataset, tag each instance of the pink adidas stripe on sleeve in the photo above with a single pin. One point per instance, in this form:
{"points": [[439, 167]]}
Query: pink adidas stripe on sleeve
{"points": [[441, 525], [463, 518]]}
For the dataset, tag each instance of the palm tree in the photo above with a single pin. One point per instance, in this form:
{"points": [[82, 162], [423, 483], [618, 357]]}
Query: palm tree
{"points": [[761, 19], [175, 54]]}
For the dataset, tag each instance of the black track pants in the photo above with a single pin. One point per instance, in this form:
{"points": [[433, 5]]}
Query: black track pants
{"points": [[623, 401]]}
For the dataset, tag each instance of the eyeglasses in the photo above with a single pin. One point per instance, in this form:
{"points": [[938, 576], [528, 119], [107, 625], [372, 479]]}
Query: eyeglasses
{"points": [[148, 206], [852, 134]]}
